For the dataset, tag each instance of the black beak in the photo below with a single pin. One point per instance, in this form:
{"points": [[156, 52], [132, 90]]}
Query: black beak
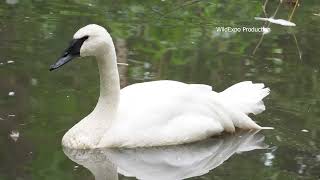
{"points": [[61, 61], [71, 52]]}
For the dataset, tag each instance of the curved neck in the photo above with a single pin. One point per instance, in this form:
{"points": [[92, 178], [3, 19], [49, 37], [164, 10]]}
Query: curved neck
{"points": [[109, 81]]}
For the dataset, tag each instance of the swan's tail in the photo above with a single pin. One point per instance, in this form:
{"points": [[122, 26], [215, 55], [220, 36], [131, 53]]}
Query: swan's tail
{"points": [[246, 97]]}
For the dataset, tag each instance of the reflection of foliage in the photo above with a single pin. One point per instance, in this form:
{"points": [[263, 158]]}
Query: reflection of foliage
{"points": [[166, 40]]}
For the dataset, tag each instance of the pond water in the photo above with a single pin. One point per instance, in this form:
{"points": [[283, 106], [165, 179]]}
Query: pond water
{"points": [[164, 39]]}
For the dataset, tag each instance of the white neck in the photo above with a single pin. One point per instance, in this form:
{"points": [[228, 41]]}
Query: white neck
{"points": [[100, 119], [109, 84]]}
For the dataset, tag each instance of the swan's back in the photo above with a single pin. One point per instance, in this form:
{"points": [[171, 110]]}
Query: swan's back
{"points": [[169, 112]]}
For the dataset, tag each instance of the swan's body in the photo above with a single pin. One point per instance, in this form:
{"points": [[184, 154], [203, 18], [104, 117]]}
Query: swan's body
{"points": [[158, 112]]}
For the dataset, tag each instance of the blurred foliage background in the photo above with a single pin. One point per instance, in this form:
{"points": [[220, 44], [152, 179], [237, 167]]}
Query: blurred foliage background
{"points": [[159, 40]]}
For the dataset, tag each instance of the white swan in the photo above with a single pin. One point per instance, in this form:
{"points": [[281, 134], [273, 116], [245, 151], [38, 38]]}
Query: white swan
{"points": [[166, 162], [154, 113]]}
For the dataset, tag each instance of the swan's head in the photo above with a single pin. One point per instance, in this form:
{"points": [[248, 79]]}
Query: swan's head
{"points": [[91, 40]]}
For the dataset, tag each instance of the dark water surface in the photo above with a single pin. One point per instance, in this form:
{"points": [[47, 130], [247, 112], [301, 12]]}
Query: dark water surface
{"points": [[159, 40]]}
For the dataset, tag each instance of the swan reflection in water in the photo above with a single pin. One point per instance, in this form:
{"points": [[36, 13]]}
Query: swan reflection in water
{"points": [[166, 162]]}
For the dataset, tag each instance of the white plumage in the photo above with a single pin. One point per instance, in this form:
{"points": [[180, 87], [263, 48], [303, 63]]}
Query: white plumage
{"points": [[170, 112], [159, 112]]}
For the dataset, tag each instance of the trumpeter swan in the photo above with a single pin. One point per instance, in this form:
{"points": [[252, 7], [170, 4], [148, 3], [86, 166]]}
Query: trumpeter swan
{"points": [[154, 113]]}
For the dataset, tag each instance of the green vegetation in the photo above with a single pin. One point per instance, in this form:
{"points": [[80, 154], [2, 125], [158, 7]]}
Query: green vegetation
{"points": [[164, 40]]}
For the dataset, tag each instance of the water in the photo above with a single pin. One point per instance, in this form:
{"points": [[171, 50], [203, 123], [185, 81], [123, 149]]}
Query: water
{"points": [[159, 40]]}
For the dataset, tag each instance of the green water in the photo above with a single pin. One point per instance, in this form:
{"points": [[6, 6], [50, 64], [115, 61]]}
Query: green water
{"points": [[159, 40]]}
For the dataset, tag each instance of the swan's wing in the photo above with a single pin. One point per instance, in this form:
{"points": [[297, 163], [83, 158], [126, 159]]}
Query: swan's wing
{"points": [[166, 112], [169, 112], [155, 102], [158, 102]]}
